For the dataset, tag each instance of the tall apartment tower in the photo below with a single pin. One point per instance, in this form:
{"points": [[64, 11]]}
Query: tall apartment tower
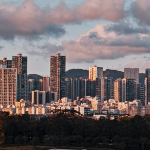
{"points": [[132, 73], [6, 62], [120, 90], [131, 89], [147, 86], [57, 75], [46, 84], [104, 88], [71, 88], [20, 62], [95, 72], [8, 85]]}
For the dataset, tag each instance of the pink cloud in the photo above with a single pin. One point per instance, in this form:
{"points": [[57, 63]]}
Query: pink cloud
{"points": [[31, 20], [112, 10], [26, 20], [103, 42], [141, 11], [106, 9], [99, 43]]}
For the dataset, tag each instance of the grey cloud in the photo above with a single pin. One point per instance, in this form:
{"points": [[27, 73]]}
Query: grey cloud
{"points": [[93, 35], [106, 44], [99, 43], [1, 47], [146, 57], [141, 11], [127, 28], [27, 21], [131, 42], [46, 50], [30, 21]]}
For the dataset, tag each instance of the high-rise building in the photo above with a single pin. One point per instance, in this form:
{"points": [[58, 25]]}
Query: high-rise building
{"points": [[71, 88], [8, 85], [57, 75], [141, 93], [38, 97], [30, 85], [90, 88], [79, 88], [125, 90], [147, 86], [6, 62], [95, 72], [132, 73], [104, 88], [38, 84], [22, 86], [120, 90], [131, 89], [19, 62], [110, 88], [46, 84], [30, 88]]}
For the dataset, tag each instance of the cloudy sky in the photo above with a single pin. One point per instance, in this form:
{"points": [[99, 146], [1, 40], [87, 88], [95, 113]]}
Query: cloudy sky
{"points": [[112, 34]]}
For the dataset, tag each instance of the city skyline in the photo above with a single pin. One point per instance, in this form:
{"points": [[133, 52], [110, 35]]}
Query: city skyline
{"points": [[116, 39]]}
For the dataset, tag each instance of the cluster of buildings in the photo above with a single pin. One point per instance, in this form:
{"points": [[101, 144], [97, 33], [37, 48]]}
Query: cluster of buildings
{"points": [[96, 95]]}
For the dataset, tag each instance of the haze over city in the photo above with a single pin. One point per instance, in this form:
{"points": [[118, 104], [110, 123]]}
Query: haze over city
{"points": [[112, 34]]}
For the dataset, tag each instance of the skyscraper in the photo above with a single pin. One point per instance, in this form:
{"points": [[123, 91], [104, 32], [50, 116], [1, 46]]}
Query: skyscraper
{"points": [[20, 63], [147, 86], [8, 85], [71, 88], [132, 73], [130, 89], [6, 62], [120, 90], [104, 88], [57, 75], [95, 72], [46, 84]]}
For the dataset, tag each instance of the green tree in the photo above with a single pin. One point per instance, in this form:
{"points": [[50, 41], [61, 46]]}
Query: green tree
{"points": [[18, 139], [143, 141], [35, 141]]}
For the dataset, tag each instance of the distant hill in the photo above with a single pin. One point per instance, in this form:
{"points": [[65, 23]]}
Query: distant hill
{"points": [[77, 73], [113, 73], [36, 77]]}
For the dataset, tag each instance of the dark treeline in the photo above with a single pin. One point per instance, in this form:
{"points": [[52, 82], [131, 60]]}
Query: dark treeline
{"points": [[124, 133]]}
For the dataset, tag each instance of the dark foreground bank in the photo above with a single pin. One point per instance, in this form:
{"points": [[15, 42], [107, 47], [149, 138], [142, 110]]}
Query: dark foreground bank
{"points": [[71, 131]]}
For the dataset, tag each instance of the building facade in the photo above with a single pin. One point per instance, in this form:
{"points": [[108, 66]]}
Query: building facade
{"points": [[120, 90], [20, 63], [57, 75], [8, 85], [132, 73], [147, 86], [46, 84], [131, 89], [6, 62], [95, 72], [104, 88]]}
